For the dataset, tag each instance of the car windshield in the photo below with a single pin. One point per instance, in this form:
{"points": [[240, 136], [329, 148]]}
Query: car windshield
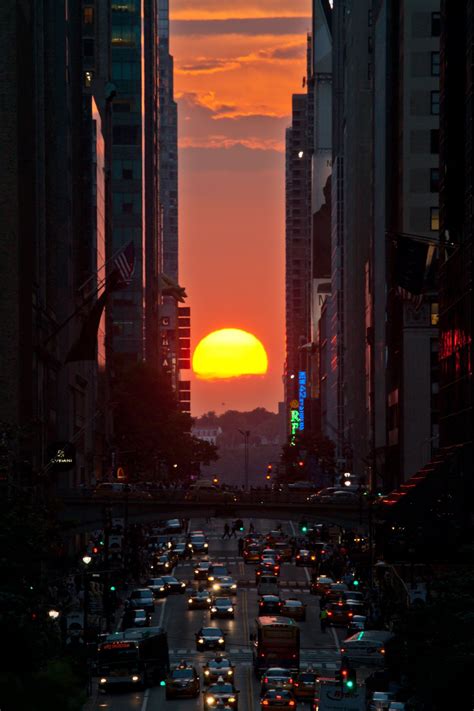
{"points": [[203, 566], [277, 672], [219, 570], [140, 614], [293, 603], [211, 632], [197, 539], [140, 593], [223, 602], [221, 688], [170, 579], [226, 579], [213, 664], [155, 581], [182, 674]]}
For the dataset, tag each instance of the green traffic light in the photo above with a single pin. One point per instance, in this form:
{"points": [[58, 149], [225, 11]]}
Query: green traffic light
{"points": [[355, 583], [304, 529], [112, 588], [350, 684], [162, 683]]}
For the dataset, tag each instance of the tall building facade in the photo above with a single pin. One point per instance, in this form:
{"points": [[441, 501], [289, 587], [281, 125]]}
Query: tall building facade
{"points": [[298, 244]]}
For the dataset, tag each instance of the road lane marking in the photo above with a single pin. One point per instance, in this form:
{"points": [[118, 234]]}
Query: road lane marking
{"points": [[145, 700], [249, 688]]}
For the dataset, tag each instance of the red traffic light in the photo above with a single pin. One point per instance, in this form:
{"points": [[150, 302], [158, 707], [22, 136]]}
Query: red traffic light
{"points": [[95, 550], [301, 463]]}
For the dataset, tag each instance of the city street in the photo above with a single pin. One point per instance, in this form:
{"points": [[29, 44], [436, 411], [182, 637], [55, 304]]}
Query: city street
{"points": [[318, 649]]}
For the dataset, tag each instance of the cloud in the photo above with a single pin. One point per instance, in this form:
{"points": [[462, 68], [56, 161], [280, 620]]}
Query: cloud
{"points": [[224, 9], [260, 26], [236, 158], [223, 141]]}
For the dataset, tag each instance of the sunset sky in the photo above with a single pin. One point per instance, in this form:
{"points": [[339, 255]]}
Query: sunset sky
{"points": [[237, 62]]}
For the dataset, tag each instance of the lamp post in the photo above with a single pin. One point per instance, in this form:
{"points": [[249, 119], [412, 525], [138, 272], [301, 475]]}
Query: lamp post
{"points": [[86, 559], [246, 435]]}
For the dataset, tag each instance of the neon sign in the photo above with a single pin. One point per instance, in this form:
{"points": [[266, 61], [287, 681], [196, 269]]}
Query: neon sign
{"points": [[301, 396], [294, 424]]}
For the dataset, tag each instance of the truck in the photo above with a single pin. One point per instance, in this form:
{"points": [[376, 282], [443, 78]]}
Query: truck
{"points": [[135, 657], [330, 696]]}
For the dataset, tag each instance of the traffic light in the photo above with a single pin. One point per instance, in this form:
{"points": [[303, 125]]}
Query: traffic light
{"points": [[355, 583], [215, 480], [301, 463], [304, 526], [269, 472], [349, 680], [95, 550]]}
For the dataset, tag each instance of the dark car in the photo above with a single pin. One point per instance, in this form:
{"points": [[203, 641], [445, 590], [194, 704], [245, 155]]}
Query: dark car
{"points": [[339, 614], [218, 667], [199, 600], [173, 525], [276, 678], [183, 681], [161, 564], [157, 586], [210, 638], [217, 570], [279, 699], [222, 691], [198, 544], [305, 685], [305, 557], [201, 571], [293, 608], [266, 566], [269, 605], [251, 553], [181, 551], [173, 585], [141, 598], [136, 618], [222, 607]]}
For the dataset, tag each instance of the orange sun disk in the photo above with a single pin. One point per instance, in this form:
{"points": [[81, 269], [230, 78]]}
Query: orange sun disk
{"points": [[229, 353]]}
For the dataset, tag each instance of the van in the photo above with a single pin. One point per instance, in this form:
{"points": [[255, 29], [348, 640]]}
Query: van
{"points": [[268, 585], [368, 647]]}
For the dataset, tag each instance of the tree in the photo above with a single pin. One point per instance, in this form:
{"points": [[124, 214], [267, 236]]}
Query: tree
{"points": [[149, 426], [308, 445]]}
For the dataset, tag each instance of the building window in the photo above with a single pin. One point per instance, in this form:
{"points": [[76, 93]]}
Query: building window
{"points": [[434, 314], [434, 219], [434, 140], [434, 180], [88, 47], [88, 76], [435, 103], [435, 64], [126, 135], [88, 16], [435, 24]]}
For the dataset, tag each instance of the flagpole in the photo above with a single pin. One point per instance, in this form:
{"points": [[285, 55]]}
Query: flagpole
{"points": [[119, 251]]}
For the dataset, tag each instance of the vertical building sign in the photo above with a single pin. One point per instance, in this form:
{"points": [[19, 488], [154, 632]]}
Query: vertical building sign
{"points": [[294, 420], [301, 397]]}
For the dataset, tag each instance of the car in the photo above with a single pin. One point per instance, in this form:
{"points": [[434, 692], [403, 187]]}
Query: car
{"points": [[293, 608], [199, 600], [305, 684], [251, 554], [270, 553], [217, 667], [305, 557], [273, 536], [142, 598], [183, 680], [269, 605], [173, 585], [340, 497], [279, 699], [226, 584], [357, 623], [339, 614], [181, 551], [321, 584], [268, 585], [161, 564], [276, 677], [201, 571], [173, 525], [198, 543], [223, 691], [210, 638], [222, 607], [284, 550], [267, 566], [136, 618], [217, 571], [157, 586], [328, 491]]}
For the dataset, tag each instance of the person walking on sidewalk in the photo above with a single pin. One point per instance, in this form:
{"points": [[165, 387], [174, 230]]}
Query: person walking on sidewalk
{"points": [[323, 619], [240, 544], [226, 533]]}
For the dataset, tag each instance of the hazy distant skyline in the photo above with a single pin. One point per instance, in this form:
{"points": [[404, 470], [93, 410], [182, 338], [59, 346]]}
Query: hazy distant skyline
{"points": [[237, 64]]}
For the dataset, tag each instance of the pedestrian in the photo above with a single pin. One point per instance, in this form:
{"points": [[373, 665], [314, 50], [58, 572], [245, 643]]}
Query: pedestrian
{"points": [[240, 545], [323, 619], [234, 529], [251, 527], [226, 533]]}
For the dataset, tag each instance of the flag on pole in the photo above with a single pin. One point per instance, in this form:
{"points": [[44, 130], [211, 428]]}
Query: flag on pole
{"points": [[412, 260], [84, 348]]}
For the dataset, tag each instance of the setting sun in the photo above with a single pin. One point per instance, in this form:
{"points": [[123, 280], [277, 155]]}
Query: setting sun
{"points": [[229, 353]]}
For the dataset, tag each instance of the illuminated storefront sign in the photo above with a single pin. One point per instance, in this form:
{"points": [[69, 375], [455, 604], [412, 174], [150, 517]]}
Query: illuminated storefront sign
{"points": [[294, 421], [302, 397]]}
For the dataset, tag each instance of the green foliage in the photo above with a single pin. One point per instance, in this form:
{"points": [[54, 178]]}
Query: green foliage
{"points": [[55, 687], [150, 428], [307, 444]]}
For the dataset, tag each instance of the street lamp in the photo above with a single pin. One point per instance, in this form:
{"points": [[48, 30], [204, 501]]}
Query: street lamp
{"points": [[246, 435], [86, 559]]}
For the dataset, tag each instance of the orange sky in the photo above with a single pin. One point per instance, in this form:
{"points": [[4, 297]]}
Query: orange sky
{"points": [[237, 62]]}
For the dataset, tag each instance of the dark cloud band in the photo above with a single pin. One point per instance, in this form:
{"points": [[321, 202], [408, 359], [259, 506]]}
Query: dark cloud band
{"points": [[249, 26]]}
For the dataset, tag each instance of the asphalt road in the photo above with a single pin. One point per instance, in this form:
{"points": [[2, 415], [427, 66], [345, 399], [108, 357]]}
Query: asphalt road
{"points": [[319, 649]]}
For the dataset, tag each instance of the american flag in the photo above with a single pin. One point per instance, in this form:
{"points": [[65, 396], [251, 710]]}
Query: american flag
{"points": [[405, 295], [124, 263]]}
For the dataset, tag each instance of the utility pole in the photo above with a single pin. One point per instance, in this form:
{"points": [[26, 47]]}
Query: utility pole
{"points": [[246, 435]]}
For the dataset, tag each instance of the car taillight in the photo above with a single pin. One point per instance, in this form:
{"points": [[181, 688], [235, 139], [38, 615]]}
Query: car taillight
{"points": [[350, 614], [266, 680], [291, 702], [290, 680], [329, 614], [382, 650], [343, 649], [296, 683], [265, 702]]}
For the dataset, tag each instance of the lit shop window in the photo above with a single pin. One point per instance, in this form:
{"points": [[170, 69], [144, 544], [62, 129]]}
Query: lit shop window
{"points": [[434, 222], [434, 314], [88, 76]]}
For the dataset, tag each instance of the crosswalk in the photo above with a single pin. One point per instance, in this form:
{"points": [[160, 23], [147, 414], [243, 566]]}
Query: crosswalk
{"points": [[321, 659]]}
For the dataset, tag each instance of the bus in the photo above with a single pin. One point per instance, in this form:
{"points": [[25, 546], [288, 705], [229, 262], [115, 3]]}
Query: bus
{"points": [[137, 657], [276, 643]]}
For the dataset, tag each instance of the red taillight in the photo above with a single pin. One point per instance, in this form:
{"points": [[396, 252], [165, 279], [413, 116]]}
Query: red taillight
{"points": [[350, 614], [343, 650], [266, 680], [291, 702], [329, 614], [261, 604], [262, 654], [265, 702], [290, 680]]}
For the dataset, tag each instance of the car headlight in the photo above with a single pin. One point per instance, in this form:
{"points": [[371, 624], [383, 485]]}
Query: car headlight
{"points": [[103, 680], [210, 700], [211, 577], [135, 678], [229, 672], [216, 586], [190, 600], [206, 672], [190, 545], [162, 589], [167, 565], [213, 609], [231, 699], [206, 545], [230, 609], [183, 585], [221, 640], [208, 599], [233, 587], [196, 572], [200, 641]]}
